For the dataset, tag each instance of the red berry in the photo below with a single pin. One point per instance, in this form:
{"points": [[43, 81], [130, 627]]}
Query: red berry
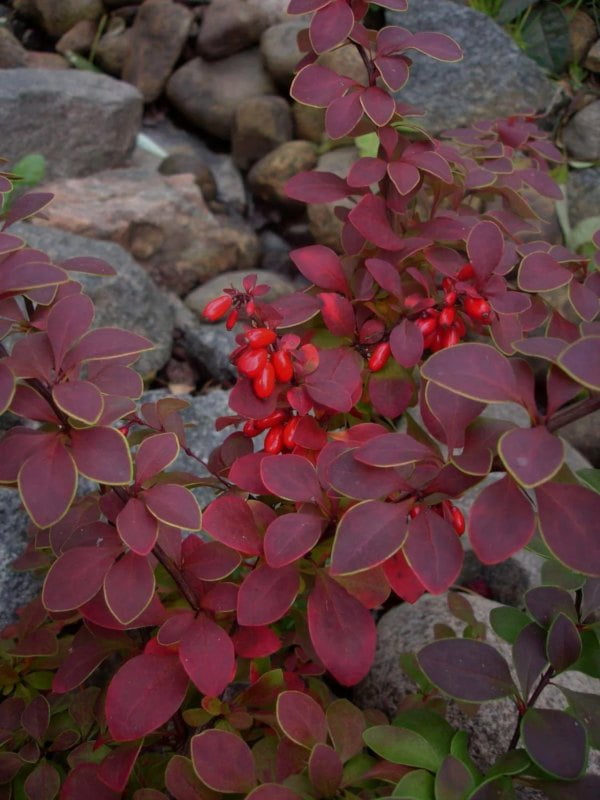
{"points": [[460, 326], [283, 366], [274, 440], [427, 325], [458, 520], [436, 342], [260, 337], [379, 356], [289, 431], [252, 362], [250, 307], [217, 308], [273, 419], [466, 272], [264, 383], [450, 337], [415, 511], [447, 317], [250, 430], [411, 300], [232, 319], [477, 308], [447, 284], [450, 298]]}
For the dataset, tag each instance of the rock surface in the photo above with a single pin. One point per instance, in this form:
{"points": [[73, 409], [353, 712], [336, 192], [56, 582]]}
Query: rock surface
{"points": [[582, 34], [581, 133], [162, 221], [12, 52], [260, 125], [592, 61], [130, 299], [58, 16], [408, 628], [229, 26], [82, 122], [112, 50], [268, 176], [16, 588], [158, 35], [208, 93], [495, 78], [280, 51]]}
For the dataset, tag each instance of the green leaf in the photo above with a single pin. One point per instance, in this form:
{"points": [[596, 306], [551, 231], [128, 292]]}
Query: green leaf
{"points": [[512, 763], [546, 37], [431, 726], [402, 746], [583, 232], [589, 660], [590, 477], [31, 169], [508, 622], [556, 574], [453, 780], [511, 9], [460, 608], [416, 785], [459, 747], [367, 145]]}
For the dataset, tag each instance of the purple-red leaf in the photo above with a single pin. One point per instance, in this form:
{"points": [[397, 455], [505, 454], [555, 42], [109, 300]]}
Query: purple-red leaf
{"points": [[174, 505], [331, 25], [485, 248], [75, 577], [406, 341], [316, 187], [539, 272], [291, 477], [223, 761], [229, 520], [321, 266], [337, 313], [301, 719], [102, 455], [207, 655], [433, 551], [137, 528], [155, 454], [367, 535], [370, 219], [473, 370], [267, 594], [47, 482], [129, 587], [80, 400], [581, 361], [531, 455], [392, 450], [325, 770], [569, 517], [291, 536]]}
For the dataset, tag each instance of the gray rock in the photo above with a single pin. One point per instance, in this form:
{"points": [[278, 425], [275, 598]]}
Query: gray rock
{"points": [[408, 628], [112, 50], [584, 436], [208, 93], [197, 299], [260, 125], [16, 588], [581, 133], [77, 39], [268, 177], [58, 16], [582, 34], [12, 52], [130, 299], [280, 51], [229, 26], [592, 62], [494, 79], [80, 121], [158, 36], [182, 163]]}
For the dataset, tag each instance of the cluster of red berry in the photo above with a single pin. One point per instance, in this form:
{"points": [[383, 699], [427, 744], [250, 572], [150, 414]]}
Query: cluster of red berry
{"points": [[258, 360], [217, 308], [446, 327], [447, 510], [281, 427]]}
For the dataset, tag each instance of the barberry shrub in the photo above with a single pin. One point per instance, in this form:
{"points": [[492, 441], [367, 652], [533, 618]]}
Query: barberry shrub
{"points": [[158, 665]]}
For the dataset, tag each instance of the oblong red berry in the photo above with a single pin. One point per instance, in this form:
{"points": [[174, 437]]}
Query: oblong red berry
{"points": [[232, 319], [274, 440], [477, 308], [217, 308], [466, 272], [252, 362], [458, 520], [289, 431], [450, 337], [273, 419], [264, 383], [283, 366], [447, 316], [379, 356], [450, 298], [250, 430], [260, 337], [427, 325]]}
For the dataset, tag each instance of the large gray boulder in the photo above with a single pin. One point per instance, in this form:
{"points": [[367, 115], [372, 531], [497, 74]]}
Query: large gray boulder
{"points": [[80, 121], [129, 300], [16, 588], [494, 79]]}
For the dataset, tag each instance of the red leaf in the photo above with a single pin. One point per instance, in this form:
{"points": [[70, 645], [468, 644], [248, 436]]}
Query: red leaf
{"points": [[394, 70], [154, 455], [129, 713], [369, 217], [367, 535], [75, 577], [301, 719], [30, 404], [453, 412], [102, 455], [531, 455], [245, 473], [473, 370], [36, 717], [386, 275], [174, 505], [317, 86], [321, 266], [7, 387], [244, 402], [26, 206], [433, 551], [88, 264], [316, 187], [331, 25], [391, 396], [338, 314], [116, 768], [137, 528], [83, 781], [291, 477], [267, 594], [208, 561], [370, 587], [220, 598], [342, 631], [47, 482], [207, 655], [581, 361], [405, 177], [568, 517], [104, 343], [43, 783], [501, 521], [392, 450], [86, 653], [346, 724], [485, 248], [325, 770], [343, 115], [365, 172], [229, 520], [223, 761], [129, 587], [378, 105], [428, 161], [67, 321], [539, 272], [182, 782], [435, 45], [402, 579], [255, 642], [291, 536], [272, 791], [80, 400], [360, 481], [406, 341]]}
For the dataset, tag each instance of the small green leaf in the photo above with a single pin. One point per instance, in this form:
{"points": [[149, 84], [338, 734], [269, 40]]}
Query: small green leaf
{"points": [[511, 9], [402, 746], [459, 747], [431, 726], [508, 622], [556, 574], [512, 763], [416, 785], [546, 37], [590, 477]]}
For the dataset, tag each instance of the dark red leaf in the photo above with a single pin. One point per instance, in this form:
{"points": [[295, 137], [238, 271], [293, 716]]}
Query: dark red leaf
{"points": [[80, 400], [291, 477], [129, 587], [102, 455], [183, 783], [26, 206], [485, 248], [43, 783], [36, 718], [129, 713], [531, 455], [406, 341], [301, 719], [223, 761], [155, 454], [321, 266], [116, 768], [316, 187], [137, 528], [378, 105], [83, 781], [369, 217], [267, 594], [338, 314], [342, 631], [402, 579], [207, 655], [174, 505], [492, 539], [86, 653], [318, 86], [76, 576], [433, 551], [325, 770], [362, 482], [47, 482], [572, 508], [67, 321], [208, 561], [7, 387], [473, 370], [229, 520], [539, 272], [581, 361], [256, 642], [89, 265], [555, 741], [392, 450], [367, 535], [435, 45], [331, 25], [291, 536]]}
